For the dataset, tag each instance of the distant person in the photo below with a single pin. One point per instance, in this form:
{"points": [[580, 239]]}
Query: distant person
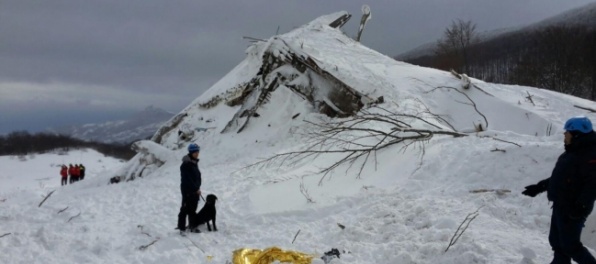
{"points": [[190, 187], [572, 189], [76, 172], [71, 173], [81, 172], [64, 174]]}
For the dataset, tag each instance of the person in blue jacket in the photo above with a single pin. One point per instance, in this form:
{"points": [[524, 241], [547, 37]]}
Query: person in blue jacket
{"points": [[190, 187], [572, 189]]}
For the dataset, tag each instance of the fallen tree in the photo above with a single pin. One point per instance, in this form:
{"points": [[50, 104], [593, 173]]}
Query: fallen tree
{"points": [[358, 138]]}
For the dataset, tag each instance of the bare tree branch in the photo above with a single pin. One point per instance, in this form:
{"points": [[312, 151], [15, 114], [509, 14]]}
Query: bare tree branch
{"points": [[585, 108], [305, 193], [143, 247], [462, 228], [74, 217], [498, 139], [142, 232], [295, 236], [7, 234], [357, 139], [549, 129], [482, 90], [45, 198], [62, 210], [472, 103], [497, 191], [420, 163], [435, 116], [529, 97]]}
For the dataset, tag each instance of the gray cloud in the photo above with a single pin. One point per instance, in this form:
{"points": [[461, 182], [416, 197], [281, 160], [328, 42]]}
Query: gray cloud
{"points": [[167, 52]]}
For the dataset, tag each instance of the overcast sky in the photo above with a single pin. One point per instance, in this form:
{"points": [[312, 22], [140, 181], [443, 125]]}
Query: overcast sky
{"points": [[70, 61]]}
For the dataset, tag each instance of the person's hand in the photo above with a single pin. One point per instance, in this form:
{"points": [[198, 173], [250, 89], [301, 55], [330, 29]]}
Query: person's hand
{"points": [[533, 190], [199, 192]]}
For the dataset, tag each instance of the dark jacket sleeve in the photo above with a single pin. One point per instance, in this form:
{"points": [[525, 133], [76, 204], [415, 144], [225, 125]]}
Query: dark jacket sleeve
{"points": [[587, 193], [543, 184]]}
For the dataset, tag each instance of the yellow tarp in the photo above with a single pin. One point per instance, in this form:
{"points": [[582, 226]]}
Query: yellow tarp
{"points": [[268, 255]]}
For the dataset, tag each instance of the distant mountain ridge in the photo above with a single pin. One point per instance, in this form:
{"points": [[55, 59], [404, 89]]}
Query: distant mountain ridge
{"points": [[581, 16], [428, 49], [138, 126]]}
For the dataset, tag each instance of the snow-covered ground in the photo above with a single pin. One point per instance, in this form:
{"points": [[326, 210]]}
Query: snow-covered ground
{"points": [[41, 172], [404, 210]]}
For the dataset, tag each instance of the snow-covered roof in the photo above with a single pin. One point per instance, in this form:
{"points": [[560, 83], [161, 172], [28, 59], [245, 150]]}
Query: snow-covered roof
{"points": [[405, 87]]}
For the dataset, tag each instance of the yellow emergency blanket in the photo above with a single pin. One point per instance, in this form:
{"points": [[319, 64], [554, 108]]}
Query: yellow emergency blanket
{"points": [[268, 255]]}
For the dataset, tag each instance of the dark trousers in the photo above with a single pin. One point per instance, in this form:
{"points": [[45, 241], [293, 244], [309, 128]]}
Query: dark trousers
{"points": [[64, 180], [188, 208], [564, 238], [82, 177]]}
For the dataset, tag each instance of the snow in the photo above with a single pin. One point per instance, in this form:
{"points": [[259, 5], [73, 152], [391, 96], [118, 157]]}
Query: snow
{"points": [[150, 147], [41, 172], [403, 210]]}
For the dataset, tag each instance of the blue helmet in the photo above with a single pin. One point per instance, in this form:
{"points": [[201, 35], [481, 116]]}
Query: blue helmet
{"points": [[193, 148], [579, 123]]}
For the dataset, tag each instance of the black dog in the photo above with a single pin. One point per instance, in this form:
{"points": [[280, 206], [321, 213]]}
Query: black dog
{"points": [[207, 213]]}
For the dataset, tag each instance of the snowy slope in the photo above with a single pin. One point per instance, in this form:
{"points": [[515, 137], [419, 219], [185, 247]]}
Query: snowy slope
{"points": [[42, 171], [403, 210]]}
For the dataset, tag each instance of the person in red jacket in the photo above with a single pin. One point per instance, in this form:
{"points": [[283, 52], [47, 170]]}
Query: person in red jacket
{"points": [[77, 173], [71, 173], [64, 174]]}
